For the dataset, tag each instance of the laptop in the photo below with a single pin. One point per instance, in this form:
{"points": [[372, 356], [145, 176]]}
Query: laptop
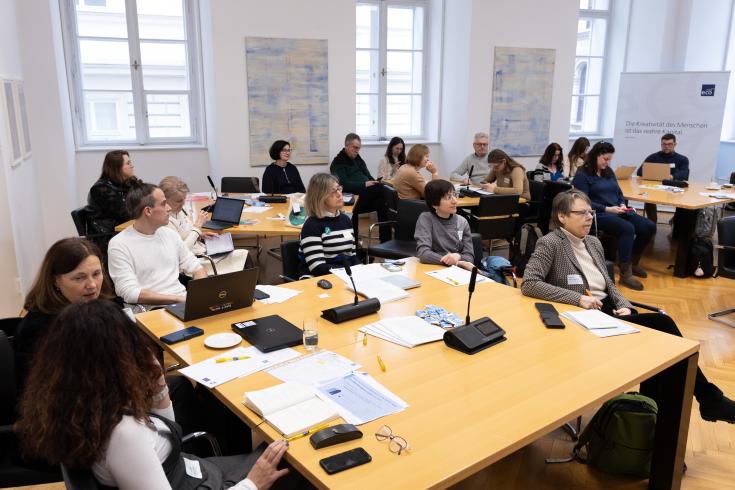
{"points": [[624, 171], [217, 294], [269, 333], [656, 171], [225, 214]]}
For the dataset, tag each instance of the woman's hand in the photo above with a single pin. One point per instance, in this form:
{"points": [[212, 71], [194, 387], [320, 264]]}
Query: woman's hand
{"points": [[450, 259], [622, 312], [201, 218], [209, 234], [489, 187], [431, 168], [615, 209], [264, 472], [589, 302], [465, 265]]}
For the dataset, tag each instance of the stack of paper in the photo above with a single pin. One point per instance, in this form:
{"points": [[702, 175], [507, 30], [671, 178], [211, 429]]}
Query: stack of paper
{"points": [[314, 369], [277, 294], [290, 408], [369, 283], [360, 399], [599, 323], [219, 244], [456, 276], [408, 331]]}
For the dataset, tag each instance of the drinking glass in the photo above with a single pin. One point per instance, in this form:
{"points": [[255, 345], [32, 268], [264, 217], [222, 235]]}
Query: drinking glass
{"points": [[311, 334]]}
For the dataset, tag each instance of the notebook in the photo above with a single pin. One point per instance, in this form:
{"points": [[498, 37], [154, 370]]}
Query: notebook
{"points": [[291, 408]]}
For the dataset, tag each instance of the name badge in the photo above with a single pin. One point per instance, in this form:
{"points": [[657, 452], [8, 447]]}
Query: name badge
{"points": [[506, 180], [459, 234], [672, 165], [573, 279], [192, 468]]}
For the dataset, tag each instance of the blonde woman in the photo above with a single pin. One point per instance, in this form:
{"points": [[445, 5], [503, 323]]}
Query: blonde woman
{"points": [[189, 228], [326, 237], [408, 182], [506, 176]]}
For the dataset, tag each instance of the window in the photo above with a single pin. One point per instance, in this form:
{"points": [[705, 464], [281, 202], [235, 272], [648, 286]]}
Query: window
{"points": [[390, 64], [134, 73], [592, 27]]}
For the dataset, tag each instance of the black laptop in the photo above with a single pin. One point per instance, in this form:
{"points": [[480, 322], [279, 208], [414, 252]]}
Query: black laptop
{"points": [[269, 333], [217, 294], [225, 214]]}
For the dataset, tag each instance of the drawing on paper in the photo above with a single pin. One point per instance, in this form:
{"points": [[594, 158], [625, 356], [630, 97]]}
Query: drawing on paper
{"points": [[521, 100], [288, 98]]}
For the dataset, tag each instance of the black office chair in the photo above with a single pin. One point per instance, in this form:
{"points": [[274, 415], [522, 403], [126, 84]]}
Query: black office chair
{"points": [[290, 261], [85, 229], [551, 189], [533, 207], [725, 262], [495, 217], [10, 327], [403, 244], [241, 185]]}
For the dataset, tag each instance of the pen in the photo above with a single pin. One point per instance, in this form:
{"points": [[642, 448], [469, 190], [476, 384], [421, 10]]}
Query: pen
{"points": [[452, 281], [380, 362], [364, 338], [307, 433], [588, 292], [227, 359]]}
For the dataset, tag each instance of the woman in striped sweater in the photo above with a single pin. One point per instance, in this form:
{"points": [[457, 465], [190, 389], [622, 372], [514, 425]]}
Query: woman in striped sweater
{"points": [[326, 237]]}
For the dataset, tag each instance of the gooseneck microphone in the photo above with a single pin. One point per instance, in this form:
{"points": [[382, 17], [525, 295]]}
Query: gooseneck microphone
{"points": [[473, 280], [214, 188], [348, 270], [469, 176], [356, 309]]}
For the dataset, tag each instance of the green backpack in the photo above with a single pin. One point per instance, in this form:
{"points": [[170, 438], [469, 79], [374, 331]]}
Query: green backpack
{"points": [[619, 438]]}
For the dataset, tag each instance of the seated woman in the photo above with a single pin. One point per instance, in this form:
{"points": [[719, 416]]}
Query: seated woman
{"points": [[575, 157], [395, 156], [550, 166], [633, 232], [326, 237], [120, 427], [506, 176], [442, 236], [408, 182], [106, 199], [189, 228], [281, 176], [568, 266], [71, 272]]}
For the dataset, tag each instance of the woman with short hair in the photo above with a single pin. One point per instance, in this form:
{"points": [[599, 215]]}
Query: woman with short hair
{"points": [[408, 182], [281, 176], [568, 266], [327, 238], [395, 156], [506, 176]]}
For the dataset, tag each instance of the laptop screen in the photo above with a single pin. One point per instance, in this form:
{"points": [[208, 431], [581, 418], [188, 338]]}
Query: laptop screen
{"points": [[228, 210]]}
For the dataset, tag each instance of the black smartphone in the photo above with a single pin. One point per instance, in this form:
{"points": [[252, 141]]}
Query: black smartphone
{"points": [[549, 315], [345, 461], [180, 335]]}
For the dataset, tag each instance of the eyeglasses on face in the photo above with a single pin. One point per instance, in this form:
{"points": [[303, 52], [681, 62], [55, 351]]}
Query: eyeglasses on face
{"points": [[286, 150], [396, 444], [450, 195], [336, 190], [583, 212]]}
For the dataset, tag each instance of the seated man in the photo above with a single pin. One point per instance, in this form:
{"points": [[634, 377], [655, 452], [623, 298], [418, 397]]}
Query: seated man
{"points": [[679, 167], [476, 161], [355, 178], [145, 258]]}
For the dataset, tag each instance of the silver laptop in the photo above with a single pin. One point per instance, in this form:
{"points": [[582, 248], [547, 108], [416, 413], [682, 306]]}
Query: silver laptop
{"points": [[624, 172]]}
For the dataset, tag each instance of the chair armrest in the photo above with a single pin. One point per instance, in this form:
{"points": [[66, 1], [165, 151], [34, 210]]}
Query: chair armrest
{"points": [[291, 279], [647, 307], [211, 261], [724, 247], [206, 436], [7, 430]]}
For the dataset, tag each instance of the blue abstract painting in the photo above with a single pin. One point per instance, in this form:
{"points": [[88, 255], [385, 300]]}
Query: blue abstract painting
{"points": [[521, 104], [288, 98]]}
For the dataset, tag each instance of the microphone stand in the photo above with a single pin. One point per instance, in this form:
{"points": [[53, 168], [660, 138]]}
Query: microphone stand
{"points": [[354, 310]]}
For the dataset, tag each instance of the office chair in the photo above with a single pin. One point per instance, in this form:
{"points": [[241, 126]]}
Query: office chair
{"points": [[84, 227], [241, 185], [551, 189], [10, 327], [725, 262], [533, 207], [403, 244], [495, 217], [290, 261]]}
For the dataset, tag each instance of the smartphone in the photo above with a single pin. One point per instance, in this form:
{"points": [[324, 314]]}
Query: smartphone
{"points": [[181, 335], [549, 315], [391, 267], [345, 461]]}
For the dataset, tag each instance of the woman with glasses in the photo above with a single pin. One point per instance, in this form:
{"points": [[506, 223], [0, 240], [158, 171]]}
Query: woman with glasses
{"points": [[327, 239], [632, 231], [568, 266], [281, 176], [442, 236]]}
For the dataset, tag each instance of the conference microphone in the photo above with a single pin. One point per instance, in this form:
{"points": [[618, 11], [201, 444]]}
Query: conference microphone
{"points": [[214, 188], [469, 176], [353, 310], [472, 337]]}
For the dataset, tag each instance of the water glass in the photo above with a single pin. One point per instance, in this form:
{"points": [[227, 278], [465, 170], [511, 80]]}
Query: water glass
{"points": [[311, 335]]}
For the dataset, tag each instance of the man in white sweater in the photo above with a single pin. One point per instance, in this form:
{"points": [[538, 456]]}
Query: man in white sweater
{"points": [[145, 258]]}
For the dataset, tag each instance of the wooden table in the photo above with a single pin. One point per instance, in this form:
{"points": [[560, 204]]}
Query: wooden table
{"points": [[690, 201], [466, 412]]}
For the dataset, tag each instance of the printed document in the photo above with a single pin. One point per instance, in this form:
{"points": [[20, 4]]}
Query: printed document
{"points": [[360, 399], [277, 294], [219, 244], [456, 276], [314, 369], [599, 323], [408, 331]]}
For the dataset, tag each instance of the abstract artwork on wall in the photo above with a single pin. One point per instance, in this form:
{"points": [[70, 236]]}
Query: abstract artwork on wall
{"points": [[521, 108], [288, 98]]}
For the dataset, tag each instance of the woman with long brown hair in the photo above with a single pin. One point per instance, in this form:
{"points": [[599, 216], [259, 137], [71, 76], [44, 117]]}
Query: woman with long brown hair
{"points": [[575, 157], [506, 176], [408, 181], [99, 401]]}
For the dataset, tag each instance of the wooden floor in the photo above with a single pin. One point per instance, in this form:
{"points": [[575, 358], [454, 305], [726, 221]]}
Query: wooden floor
{"points": [[710, 456]]}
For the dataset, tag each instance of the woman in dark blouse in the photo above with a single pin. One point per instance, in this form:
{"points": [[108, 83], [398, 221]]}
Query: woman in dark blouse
{"points": [[281, 176]]}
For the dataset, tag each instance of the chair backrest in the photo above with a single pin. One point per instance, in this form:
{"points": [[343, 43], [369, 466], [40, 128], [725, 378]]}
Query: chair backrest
{"points": [[498, 205], [79, 479], [551, 189], [390, 195], [240, 184], [409, 211], [79, 216], [10, 326], [726, 236], [7, 381], [290, 258]]}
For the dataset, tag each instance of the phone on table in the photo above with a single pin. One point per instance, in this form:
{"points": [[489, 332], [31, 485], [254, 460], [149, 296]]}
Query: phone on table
{"points": [[549, 315], [345, 461], [181, 335], [391, 267]]}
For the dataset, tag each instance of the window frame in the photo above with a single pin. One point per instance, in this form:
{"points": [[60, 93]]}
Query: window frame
{"points": [[192, 46], [383, 6], [592, 14]]}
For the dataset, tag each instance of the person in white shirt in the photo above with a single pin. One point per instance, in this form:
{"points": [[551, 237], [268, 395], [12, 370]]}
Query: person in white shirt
{"points": [[145, 259], [189, 227], [476, 161], [121, 428]]}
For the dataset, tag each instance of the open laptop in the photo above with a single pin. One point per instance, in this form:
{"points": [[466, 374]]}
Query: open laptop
{"points": [[269, 333], [656, 171], [225, 214], [217, 294], [624, 171]]}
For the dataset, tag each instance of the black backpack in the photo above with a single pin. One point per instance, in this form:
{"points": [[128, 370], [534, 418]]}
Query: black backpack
{"points": [[523, 246], [700, 261]]}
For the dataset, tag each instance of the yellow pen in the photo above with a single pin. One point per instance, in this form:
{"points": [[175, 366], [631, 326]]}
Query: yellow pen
{"points": [[228, 359], [381, 364], [364, 338], [452, 281], [307, 433]]}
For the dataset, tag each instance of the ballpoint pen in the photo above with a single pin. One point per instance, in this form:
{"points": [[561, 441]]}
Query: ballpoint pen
{"points": [[307, 433], [236, 358], [453, 281], [381, 364], [364, 338]]}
